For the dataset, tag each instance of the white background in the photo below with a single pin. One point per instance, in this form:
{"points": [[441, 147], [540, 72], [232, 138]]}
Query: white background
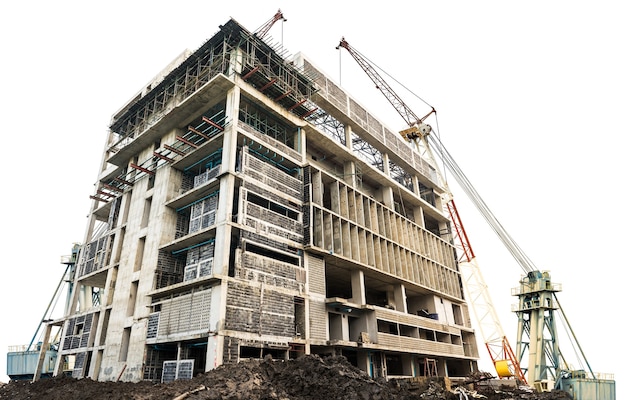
{"points": [[530, 101]]}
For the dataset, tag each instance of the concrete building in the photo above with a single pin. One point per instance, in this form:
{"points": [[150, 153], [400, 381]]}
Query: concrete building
{"points": [[246, 205]]}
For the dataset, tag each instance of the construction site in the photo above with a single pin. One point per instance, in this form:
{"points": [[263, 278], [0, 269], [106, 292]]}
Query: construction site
{"points": [[248, 209]]}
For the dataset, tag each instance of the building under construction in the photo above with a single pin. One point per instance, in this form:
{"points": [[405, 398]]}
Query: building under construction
{"points": [[247, 206]]}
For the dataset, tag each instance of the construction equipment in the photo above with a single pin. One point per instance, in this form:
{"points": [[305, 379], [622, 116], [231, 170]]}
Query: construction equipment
{"points": [[37, 360], [262, 31], [498, 347], [537, 295]]}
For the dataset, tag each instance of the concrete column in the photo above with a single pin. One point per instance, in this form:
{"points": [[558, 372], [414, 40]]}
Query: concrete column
{"points": [[349, 173], [387, 196], [223, 230], [215, 343], [358, 287], [348, 133], [84, 299], [418, 214], [416, 184], [345, 328], [386, 164], [399, 295], [318, 188], [229, 149], [223, 216], [235, 63], [301, 141]]}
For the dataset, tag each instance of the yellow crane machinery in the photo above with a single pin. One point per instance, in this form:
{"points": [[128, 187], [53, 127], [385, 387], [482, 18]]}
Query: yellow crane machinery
{"points": [[537, 340]]}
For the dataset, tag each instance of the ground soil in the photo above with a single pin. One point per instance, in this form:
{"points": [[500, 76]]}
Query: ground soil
{"points": [[305, 378]]}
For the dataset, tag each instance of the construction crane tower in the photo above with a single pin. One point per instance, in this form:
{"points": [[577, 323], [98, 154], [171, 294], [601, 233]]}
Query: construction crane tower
{"points": [[498, 346], [537, 340]]}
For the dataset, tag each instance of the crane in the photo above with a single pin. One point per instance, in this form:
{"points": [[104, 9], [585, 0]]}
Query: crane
{"points": [[498, 346], [262, 31], [538, 305]]}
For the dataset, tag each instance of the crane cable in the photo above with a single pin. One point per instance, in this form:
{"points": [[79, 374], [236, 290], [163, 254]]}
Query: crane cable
{"points": [[523, 260], [518, 254]]}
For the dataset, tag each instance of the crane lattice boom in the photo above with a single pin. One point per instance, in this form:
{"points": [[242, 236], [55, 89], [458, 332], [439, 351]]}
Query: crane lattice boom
{"points": [[262, 31], [499, 349]]}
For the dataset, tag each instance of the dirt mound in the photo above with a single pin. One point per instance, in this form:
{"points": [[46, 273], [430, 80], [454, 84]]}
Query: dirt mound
{"points": [[305, 378]]}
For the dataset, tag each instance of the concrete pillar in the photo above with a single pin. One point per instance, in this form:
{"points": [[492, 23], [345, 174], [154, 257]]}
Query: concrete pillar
{"points": [[229, 149], [215, 343], [399, 295], [416, 185], [301, 141], [348, 134], [223, 230], [358, 287], [223, 216], [418, 214], [349, 173], [387, 196], [386, 169]]}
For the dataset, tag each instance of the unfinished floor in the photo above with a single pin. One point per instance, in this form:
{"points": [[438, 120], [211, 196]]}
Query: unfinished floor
{"points": [[248, 206]]}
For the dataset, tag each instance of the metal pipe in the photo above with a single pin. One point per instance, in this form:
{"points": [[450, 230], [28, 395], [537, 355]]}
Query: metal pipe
{"points": [[48, 308], [574, 335]]}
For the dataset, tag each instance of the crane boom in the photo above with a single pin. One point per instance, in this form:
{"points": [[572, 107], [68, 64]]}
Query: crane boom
{"points": [[262, 31], [498, 346]]}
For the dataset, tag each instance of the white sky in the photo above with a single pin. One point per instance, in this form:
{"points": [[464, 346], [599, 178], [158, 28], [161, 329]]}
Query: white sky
{"points": [[530, 101]]}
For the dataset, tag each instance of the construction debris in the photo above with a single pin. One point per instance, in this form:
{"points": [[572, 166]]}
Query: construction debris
{"points": [[305, 378]]}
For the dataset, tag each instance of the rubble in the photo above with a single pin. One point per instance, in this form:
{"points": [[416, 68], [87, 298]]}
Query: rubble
{"points": [[306, 378]]}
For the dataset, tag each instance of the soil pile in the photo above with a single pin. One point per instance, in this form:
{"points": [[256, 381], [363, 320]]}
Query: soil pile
{"points": [[305, 378]]}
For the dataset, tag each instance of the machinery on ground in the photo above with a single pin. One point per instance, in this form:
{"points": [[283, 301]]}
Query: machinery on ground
{"points": [[537, 340]]}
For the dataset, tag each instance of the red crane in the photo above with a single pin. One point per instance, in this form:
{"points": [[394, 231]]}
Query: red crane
{"points": [[498, 346], [262, 31]]}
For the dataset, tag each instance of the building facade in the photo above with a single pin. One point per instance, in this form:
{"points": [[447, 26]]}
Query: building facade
{"points": [[247, 206]]}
